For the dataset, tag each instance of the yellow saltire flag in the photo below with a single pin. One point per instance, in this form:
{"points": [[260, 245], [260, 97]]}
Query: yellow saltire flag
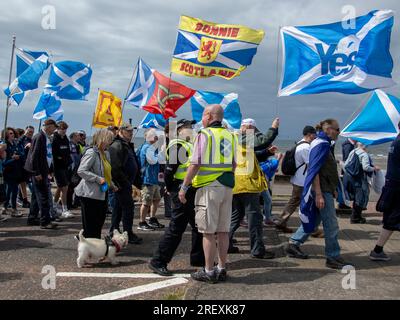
{"points": [[205, 49], [108, 110]]}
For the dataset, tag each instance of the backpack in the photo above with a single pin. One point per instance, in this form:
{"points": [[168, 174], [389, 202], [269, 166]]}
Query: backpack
{"points": [[353, 167], [289, 162]]}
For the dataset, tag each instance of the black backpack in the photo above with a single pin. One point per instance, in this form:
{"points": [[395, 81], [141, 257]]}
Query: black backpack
{"points": [[289, 162]]}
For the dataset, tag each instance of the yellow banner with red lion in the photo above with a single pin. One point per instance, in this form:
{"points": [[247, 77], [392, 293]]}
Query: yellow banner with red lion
{"points": [[205, 49], [108, 110]]}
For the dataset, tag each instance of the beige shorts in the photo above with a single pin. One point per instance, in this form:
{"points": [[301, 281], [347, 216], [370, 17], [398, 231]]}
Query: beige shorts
{"points": [[213, 205], [149, 194]]}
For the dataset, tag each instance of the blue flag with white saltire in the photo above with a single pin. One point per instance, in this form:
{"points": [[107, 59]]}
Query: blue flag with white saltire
{"points": [[377, 122], [49, 105], [151, 120], [319, 151], [336, 58], [30, 67], [71, 79], [228, 101]]}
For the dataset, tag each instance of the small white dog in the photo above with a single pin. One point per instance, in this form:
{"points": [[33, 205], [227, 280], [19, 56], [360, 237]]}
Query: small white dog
{"points": [[100, 249]]}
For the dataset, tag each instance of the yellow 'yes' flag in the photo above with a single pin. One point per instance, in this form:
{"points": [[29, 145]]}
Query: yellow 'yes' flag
{"points": [[108, 110], [205, 49]]}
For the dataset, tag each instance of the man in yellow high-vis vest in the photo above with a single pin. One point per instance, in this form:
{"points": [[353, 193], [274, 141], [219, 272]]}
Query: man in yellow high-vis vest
{"points": [[179, 153], [212, 172]]}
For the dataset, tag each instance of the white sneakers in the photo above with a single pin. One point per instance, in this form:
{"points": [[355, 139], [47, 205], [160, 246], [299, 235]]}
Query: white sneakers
{"points": [[66, 215]]}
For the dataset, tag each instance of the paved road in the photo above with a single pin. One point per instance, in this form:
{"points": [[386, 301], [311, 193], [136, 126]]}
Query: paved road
{"points": [[24, 251]]}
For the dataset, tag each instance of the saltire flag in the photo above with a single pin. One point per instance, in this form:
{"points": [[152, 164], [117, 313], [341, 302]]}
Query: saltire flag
{"points": [[336, 58], [151, 120], [205, 49], [108, 110], [71, 78], [67, 80], [319, 151], [30, 67], [156, 93], [228, 101], [49, 105], [377, 122]]}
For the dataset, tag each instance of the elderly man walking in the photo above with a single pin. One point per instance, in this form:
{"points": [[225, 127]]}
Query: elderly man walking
{"points": [[212, 172]]}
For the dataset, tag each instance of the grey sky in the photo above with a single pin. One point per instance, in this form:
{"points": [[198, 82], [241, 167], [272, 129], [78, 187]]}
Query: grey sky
{"points": [[111, 35]]}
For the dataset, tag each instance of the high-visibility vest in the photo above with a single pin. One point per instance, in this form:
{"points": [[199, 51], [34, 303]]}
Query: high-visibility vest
{"points": [[217, 158], [180, 173]]}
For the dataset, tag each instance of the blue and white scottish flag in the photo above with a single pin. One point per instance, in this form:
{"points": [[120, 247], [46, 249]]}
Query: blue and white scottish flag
{"points": [[333, 58], [228, 101], [319, 151], [143, 87], [153, 121], [30, 67], [378, 121], [49, 105], [71, 79]]}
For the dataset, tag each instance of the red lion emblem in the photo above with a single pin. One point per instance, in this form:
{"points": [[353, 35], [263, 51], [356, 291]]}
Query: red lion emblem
{"points": [[208, 49]]}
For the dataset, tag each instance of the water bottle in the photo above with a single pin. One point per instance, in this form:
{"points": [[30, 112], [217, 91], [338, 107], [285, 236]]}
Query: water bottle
{"points": [[104, 187]]}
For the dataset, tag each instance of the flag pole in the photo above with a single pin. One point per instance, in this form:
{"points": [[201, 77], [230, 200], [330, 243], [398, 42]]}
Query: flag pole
{"points": [[94, 112], [126, 94], [277, 69], [9, 82]]}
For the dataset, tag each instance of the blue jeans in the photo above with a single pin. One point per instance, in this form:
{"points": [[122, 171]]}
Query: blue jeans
{"points": [[330, 225], [267, 204]]}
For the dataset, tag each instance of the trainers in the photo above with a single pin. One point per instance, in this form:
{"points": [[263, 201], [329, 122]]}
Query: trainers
{"points": [[378, 256], [161, 270], [16, 214], [266, 255], [56, 219], [134, 239], [220, 274], [294, 251], [50, 225], [336, 263], [67, 215], [3, 219], [145, 227], [203, 276], [358, 221], [153, 222], [5, 211]]}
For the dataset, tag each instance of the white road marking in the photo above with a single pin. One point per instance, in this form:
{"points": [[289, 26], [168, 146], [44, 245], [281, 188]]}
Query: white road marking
{"points": [[119, 275], [139, 289]]}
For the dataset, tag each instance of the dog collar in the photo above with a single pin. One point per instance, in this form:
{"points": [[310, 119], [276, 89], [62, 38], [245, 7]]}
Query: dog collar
{"points": [[116, 245]]}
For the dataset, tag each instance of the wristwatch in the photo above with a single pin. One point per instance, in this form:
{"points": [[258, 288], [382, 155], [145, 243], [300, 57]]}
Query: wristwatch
{"points": [[184, 188]]}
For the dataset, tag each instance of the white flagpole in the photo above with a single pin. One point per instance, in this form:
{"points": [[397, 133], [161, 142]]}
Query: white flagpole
{"points": [[9, 82], [127, 91]]}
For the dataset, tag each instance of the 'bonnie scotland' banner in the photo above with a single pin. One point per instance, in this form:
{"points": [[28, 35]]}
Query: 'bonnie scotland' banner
{"points": [[205, 49]]}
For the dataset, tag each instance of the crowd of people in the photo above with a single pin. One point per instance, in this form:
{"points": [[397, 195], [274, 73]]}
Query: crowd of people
{"points": [[215, 179]]}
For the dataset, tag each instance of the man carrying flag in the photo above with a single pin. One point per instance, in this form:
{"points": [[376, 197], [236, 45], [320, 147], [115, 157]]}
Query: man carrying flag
{"points": [[318, 202]]}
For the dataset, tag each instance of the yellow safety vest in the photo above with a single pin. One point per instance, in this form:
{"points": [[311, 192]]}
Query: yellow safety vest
{"points": [[217, 158], [180, 173]]}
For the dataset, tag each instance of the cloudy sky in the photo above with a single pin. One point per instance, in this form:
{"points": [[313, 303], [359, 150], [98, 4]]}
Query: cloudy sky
{"points": [[111, 35]]}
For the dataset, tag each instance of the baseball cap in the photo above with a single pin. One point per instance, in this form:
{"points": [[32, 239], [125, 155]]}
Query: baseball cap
{"points": [[309, 129], [49, 122], [185, 123], [82, 132], [249, 121]]}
